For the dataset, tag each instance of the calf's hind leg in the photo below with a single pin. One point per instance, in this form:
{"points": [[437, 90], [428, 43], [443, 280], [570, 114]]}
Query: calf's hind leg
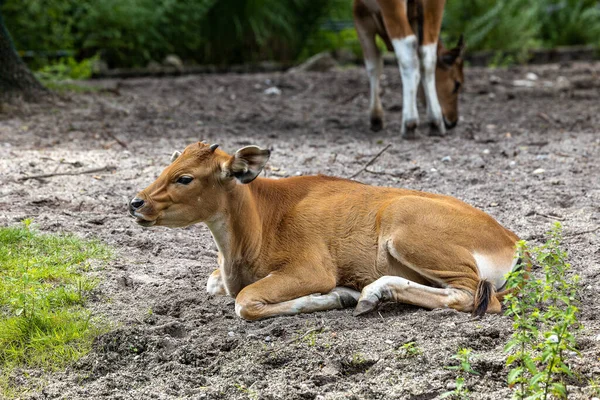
{"points": [[401, 290]]}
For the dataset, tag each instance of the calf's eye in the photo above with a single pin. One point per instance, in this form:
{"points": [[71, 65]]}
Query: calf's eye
{"points": [[184, 180]]}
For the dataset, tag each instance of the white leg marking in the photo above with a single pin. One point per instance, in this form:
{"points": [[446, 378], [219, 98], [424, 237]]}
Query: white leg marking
{"points": [[494, 269], [374, 72], [339, 297], [428, 55], [396, 288], [215, 285], [406, 52]]}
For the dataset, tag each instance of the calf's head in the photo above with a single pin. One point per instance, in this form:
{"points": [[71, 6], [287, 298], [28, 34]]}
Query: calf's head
{"points": [[449, 80], [196, 186]]}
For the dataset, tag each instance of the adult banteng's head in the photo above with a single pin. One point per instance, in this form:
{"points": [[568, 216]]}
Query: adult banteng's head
{"points": [[449, 80]]}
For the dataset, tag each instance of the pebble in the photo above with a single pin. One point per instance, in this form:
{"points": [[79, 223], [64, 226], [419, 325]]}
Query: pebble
{"points": [[486, 151], [451, 385], [267, 338], [552, 339], [598, 338], [523, 83], [388, 341], [446, 159], [272, 91], [512, 164], [494, 79], [230, 333], [539, 171], [531, 76]]}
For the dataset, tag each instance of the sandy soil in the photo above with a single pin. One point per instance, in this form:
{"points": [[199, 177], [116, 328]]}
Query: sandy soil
{"points": [[528, 155]]}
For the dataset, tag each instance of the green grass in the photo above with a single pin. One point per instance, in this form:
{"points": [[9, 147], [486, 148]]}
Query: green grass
{"points": [[44, 286]]}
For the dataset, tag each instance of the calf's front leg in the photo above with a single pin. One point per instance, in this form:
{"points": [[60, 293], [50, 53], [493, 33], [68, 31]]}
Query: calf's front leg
{"points": [[290, 294]]}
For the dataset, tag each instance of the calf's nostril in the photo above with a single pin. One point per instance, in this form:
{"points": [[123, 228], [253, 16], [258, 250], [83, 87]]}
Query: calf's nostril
{"points": [[136, 203]]}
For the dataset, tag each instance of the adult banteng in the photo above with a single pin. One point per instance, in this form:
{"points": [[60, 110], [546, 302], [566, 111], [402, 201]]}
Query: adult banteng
{"points": [[314, 243], [411, 29]]}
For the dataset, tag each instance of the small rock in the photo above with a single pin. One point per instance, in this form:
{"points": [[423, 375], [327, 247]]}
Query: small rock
{"points": [[563, 83], [512, 164], [230, 333], [486, 151], [388, 341], [531, 76], [523, 83], [433, 170], [173, 60], [446, 159], [267, 338], [492, 96], [539, 171], [493, 204], [542, 157], [451, 386], [494, 80], [477, 162], [597, 338], [552, 339], [272, 91]]}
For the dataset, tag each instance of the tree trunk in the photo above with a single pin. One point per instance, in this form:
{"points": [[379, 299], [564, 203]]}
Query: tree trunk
{"points": [[15, 78]]}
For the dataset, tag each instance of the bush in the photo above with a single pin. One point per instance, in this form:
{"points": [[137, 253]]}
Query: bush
{"points": [[130, 33]]}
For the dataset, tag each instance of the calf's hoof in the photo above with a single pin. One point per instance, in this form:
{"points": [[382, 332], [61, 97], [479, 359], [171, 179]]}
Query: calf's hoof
{"points": [[365, 306]]}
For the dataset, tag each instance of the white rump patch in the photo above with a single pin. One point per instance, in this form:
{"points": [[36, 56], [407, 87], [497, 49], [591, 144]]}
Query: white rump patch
{"points": [[491, 270]]}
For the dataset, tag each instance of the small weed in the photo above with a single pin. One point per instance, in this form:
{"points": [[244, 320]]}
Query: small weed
{"points": [[464, 357], [409, 350], [357, 359], [311, 339], [43, 291], [252, 394], [545, 318]]}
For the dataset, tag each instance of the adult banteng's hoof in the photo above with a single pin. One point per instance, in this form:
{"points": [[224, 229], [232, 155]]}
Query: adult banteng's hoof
{"points": [[409, 130]]}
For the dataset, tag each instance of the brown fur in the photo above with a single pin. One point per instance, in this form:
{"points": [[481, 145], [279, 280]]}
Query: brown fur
{"points": [[288, 238]]}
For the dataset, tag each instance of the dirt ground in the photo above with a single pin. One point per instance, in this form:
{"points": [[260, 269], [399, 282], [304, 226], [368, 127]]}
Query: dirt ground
{"points": [[527, 151]]}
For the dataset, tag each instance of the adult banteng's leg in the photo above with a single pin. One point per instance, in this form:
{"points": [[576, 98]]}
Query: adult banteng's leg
{"points": [[404, 43], [366, 29], [432, 21]]}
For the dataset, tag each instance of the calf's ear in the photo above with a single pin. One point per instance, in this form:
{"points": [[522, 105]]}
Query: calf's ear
{"points": [[247, 163], [175, 155]]}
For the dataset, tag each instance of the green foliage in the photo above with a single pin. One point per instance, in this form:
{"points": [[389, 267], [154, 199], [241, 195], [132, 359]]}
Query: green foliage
{"points": [[519, 25], [129, 33], [134, 32], [43, 291], [66, 68], [545, 318], [465, 357], [409, 350]]}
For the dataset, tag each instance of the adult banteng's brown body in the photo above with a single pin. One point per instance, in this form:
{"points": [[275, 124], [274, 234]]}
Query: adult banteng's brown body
{"points": [[312, 243], [411, 29]]}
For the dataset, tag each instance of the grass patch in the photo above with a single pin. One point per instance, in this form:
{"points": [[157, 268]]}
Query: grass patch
{"points": [[44, 286]]}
